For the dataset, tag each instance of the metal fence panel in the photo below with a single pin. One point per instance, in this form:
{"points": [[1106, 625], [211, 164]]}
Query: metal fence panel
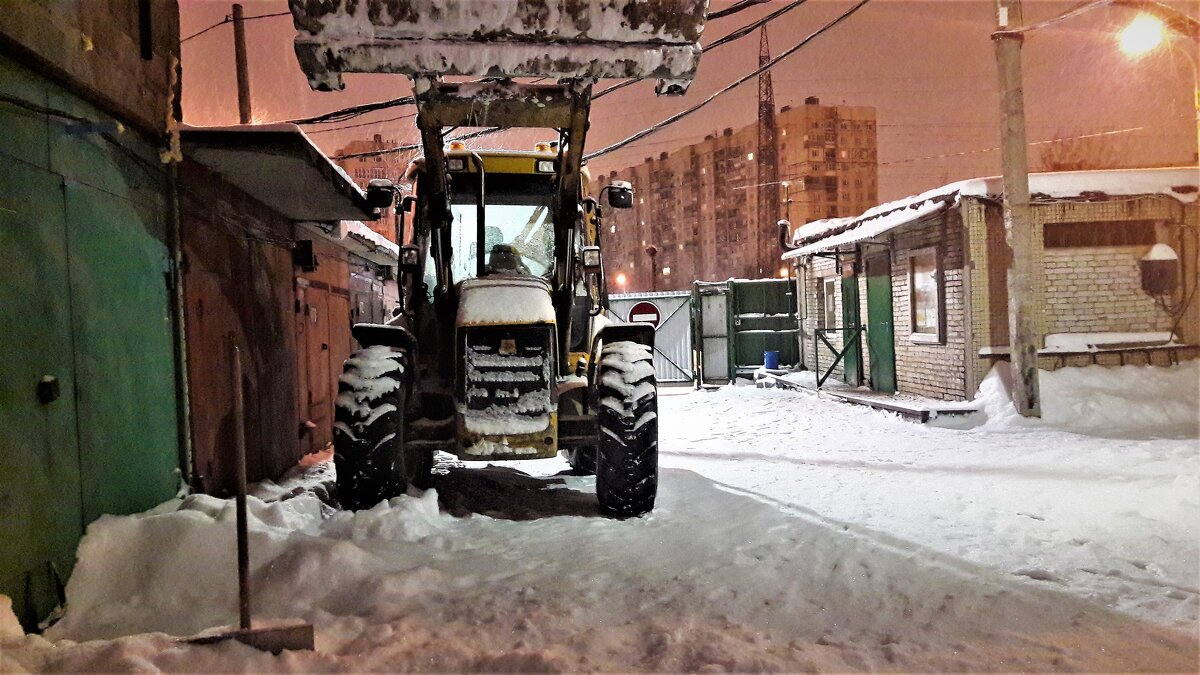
{"points": [[672, 336]]}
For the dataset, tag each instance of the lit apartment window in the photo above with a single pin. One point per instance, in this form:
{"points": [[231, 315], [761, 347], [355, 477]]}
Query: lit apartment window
{"points": [[750, 157], [925, 295]]}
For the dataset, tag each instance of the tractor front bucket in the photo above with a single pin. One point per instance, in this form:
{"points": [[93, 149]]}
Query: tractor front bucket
{"points": [[562, 39]]}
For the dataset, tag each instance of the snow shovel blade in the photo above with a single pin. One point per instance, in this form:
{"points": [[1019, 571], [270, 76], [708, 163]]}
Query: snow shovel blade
{"points": [[500, 38], [272, 639]]}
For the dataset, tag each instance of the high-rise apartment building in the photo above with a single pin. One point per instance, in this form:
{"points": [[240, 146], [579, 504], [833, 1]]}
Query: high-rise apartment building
{"points": [[697, 206]]}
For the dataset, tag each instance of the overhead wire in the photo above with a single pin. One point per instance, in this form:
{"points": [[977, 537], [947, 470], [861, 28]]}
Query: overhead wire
{"points": [[361, 124], [996, 149], [742, 80], [733, 9], [229, 19], [343, 114], [734, 35]]}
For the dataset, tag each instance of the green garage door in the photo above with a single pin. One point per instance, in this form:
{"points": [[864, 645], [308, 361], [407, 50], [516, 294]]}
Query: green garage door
{"points": [[84, 307], [124, 357], [40, 496]]}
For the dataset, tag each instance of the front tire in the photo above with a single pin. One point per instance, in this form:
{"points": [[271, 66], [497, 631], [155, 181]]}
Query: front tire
{"points": [[368, 431], [626, 404]]}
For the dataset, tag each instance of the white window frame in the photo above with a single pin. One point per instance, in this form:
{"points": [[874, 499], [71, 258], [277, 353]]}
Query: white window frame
{"points": [[938, 336], [830, 287]]}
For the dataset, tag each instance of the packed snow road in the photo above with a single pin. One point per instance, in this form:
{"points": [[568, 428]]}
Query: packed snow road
{"points": [[791, 533]]}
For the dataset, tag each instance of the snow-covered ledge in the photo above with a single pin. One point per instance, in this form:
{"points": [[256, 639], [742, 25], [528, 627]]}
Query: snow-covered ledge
{"points": [[1080, 343]]}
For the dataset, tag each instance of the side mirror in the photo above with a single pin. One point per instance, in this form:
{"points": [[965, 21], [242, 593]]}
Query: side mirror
{"points": [[380, 193], [410, 259], [620, 195], [591, 258]]}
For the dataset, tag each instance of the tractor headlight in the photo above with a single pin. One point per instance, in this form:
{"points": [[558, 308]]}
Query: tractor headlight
{"points": [[545, 166], [456, 164]]}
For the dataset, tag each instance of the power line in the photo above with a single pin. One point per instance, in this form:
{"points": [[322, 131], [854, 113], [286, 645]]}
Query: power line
{"points": [[733, 9], [344, 114], [742, 80], [983, 150], [361, 124], [738, 33], [229, 19]]}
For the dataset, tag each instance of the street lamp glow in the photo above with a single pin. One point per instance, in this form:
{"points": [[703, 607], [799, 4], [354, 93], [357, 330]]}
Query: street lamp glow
{"points": [[621, 279], [1142, 34]]}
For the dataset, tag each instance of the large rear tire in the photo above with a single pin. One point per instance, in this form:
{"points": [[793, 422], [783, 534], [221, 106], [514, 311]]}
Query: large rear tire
{"points": [[368, 431], [626, 404]]}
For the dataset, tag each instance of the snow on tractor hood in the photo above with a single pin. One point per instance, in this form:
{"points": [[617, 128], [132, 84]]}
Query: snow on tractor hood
{"points": [[498, 300]]}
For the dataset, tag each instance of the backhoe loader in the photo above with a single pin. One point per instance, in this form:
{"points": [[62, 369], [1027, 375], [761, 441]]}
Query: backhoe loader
{"points": [[502, 347]]}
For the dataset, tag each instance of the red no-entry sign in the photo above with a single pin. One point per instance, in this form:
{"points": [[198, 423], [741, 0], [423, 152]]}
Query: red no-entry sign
{"points": [[644, 312]]}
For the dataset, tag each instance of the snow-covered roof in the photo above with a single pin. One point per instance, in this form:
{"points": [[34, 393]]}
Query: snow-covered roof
{"points": [[280, 166], [373, 245], [822, 235]]}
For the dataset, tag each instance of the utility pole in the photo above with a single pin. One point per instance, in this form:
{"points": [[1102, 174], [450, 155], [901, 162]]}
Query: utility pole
{"points": [[1018, 221], [243, 68]]}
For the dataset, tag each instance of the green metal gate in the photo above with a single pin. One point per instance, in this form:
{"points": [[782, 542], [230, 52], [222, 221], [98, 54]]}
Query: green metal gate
{"points": [[40, 489], [881, 345], [740, 319]]}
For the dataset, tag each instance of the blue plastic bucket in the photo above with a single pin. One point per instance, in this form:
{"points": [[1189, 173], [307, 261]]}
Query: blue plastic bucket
{"points": [[771, 360]]}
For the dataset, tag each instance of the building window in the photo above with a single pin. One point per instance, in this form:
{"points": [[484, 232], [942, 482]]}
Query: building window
{"points": [[925, 295], [830, 316]]}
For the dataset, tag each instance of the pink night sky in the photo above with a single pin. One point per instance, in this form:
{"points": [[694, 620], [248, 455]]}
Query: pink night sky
{"points": [[927, 67]]}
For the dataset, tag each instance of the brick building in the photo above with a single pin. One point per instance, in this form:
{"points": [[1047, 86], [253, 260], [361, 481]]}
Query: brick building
{"points": [[697, 206], [925, 279]]}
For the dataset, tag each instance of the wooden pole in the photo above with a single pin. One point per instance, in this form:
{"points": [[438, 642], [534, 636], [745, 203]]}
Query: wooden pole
{"points": [[243, 68], [1018, 221]]}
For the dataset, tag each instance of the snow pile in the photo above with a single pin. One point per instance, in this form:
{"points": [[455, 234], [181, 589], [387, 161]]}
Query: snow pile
{"points": [[716, 578], [1142, 401]]}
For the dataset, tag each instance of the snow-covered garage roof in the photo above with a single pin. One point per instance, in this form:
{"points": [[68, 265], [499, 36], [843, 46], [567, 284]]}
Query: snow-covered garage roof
{"points": [[281, 167], [828, 234]]}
